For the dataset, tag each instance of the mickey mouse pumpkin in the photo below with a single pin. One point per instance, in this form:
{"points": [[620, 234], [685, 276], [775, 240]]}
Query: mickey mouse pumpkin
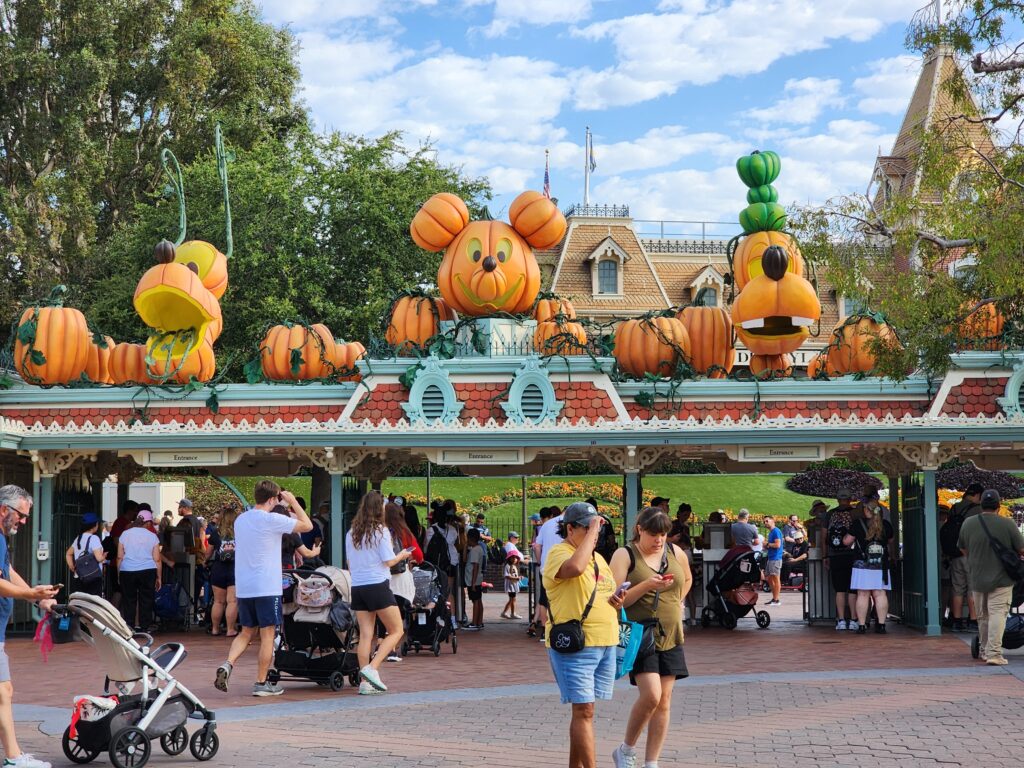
{"points": [[488, 266]]}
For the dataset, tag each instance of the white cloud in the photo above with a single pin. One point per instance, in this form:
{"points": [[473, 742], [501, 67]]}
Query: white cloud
{"points": [[888, 88], [803, 103], [317, 14], [509, 14], [700, 43]]}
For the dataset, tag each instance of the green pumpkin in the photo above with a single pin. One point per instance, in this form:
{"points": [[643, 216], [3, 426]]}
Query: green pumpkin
{"points": [[763, 217], [763, 194], [759, 169]]}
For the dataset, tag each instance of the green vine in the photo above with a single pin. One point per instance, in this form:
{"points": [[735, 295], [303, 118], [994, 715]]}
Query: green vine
{"points": [[177, 185]]}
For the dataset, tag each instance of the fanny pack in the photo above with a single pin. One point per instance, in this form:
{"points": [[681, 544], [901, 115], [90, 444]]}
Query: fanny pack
{"points": [[568, 637]]}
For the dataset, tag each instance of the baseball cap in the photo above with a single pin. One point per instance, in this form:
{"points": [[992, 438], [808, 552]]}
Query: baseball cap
{"points": [[657, 501], [818, 503], [974, 488], [145, 505], [90, 518], [185, 503], [146, 515], [991, 499], [844, 493], [534, 518], [579, 513], [513, 535]]}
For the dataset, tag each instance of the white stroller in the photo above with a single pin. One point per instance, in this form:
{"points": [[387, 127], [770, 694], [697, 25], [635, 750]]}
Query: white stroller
{"points": [[121, 722]]}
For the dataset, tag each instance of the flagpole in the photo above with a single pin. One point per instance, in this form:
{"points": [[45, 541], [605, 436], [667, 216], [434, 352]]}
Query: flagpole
{"points": [[586, 170]]}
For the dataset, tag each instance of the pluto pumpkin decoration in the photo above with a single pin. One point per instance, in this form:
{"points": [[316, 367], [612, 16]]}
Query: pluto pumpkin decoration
{"points": [[488, 266], [776, 304]]}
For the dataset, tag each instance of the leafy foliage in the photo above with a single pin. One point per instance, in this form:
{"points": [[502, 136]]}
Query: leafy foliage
{"points": [[827, 482], [962, 475]]}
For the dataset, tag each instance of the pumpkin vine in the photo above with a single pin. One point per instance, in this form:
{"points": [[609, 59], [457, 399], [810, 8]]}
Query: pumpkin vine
{"points": [[177, 185]]}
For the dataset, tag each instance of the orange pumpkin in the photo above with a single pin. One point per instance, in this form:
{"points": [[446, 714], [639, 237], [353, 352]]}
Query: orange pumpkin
{"points": [[746, 260], [169, 367], [206, 261], [214, 330], [982, 329], [440, 219], [550, 338], [767, 367], [773, 313], [651, 345], [128, 365], [537, 219], [171, 297], [849, 349], [815, 366], [415, 319], [61, 346], [315, 347], [550, 309], [97, 367], [711, 345], [345, 356]]}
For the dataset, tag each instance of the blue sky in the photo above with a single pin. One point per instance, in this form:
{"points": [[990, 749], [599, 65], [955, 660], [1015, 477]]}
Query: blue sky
{"points": [[674, 90]]}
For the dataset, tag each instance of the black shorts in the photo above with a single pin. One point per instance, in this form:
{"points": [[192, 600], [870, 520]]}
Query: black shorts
{"points": [[373, 597], [840, 571], [475, 593], [222, 575], [670, 663], [542, 597]]}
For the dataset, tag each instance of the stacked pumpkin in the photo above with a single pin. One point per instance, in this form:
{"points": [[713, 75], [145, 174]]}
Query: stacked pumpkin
{"points": [[851, 346], [557, 331], [296, 352], [415, 319]]}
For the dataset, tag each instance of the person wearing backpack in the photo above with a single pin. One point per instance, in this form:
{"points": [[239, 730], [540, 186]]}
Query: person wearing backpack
{"points": [[968, 506], [442, 543], [85, 558], [872, 536], [989, 542], [220, 553]]}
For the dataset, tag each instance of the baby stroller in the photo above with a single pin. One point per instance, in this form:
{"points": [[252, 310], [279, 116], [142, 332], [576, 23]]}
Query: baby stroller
{"points": [[1013, 635], [732, 591], [124, 723], [317, 642], [429, 622]]}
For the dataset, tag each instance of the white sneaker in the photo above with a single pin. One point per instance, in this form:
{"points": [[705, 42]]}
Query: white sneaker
{"points": [[370, 675], [853, 626], [365, 689], [393, 657], [841, 625], [26, 761], [624, 759]]}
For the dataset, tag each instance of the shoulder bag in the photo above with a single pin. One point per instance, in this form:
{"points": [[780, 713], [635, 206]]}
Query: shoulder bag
{"points": [[1011, 561], [87, 567], [568, 637]]}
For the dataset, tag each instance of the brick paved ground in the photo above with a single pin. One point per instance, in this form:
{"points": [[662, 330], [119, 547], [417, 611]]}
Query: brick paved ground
{"points": [[789, 695]]}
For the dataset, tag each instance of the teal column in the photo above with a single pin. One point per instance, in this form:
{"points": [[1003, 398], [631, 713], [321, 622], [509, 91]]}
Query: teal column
{"points": [[933, 595], [32, 577], [631, 502], [45, 516], [337, 520]]}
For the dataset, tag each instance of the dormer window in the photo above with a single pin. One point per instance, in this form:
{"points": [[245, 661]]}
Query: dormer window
{"points": [[608, 276], [606, 265]]}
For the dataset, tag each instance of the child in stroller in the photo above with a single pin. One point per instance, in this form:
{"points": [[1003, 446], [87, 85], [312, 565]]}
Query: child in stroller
{"points": [[732, 591], [124, 723], [429, 620]]}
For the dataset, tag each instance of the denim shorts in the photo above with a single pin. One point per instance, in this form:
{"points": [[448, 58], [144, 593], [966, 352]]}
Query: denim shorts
{"points": [[585, 675], [259, 611]]}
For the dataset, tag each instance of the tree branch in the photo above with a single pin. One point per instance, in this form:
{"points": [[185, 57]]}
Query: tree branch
{"points": [[945, 244], [980, 67]]}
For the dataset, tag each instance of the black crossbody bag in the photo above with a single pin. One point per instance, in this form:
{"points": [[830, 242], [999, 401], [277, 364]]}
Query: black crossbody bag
{"points": [[568, 637], [1012, 564], [648, 643]]}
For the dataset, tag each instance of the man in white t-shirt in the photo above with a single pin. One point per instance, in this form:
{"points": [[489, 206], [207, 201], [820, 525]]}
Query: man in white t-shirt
{"points": [[546, 539], [258, 533]]}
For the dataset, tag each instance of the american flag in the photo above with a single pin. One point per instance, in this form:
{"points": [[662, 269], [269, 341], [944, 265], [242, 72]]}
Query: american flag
{"points": [[547, 177]]}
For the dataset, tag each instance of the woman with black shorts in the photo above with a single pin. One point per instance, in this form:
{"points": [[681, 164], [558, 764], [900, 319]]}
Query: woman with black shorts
{"points": [[220, 554], [370, 557], [660, 578]]}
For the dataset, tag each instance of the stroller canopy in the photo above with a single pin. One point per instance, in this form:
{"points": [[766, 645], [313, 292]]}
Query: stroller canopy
{"points": [[120, 664]]}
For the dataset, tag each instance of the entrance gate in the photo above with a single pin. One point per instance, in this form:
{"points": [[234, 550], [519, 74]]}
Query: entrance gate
{"points": [[913, 589]]}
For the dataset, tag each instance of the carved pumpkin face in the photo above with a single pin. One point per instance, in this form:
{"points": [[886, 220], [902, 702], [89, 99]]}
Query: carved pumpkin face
{"points": [[171, 297], [747, 259], [489, 268], [774, 311]]}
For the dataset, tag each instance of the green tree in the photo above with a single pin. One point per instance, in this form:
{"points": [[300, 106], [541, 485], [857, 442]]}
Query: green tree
{"points": [[321, 233], [92, 90], [892, 252]]}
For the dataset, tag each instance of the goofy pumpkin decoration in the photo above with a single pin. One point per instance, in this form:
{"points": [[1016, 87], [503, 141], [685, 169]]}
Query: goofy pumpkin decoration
{"points": [[776, 304], [488, 266]]}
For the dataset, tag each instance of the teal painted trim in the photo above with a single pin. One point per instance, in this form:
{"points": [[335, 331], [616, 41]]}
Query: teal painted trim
{"points": [[433, 374], [846, 387], [983, 360], [29, 396], [462, 366], [37, 509], [630, 503], [227, 484], [933, 608], [533, 373], [1010, 402], [46, 528], [337, 521]]}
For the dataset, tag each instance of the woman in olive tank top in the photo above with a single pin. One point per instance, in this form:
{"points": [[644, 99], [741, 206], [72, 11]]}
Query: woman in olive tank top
{"points": [[660, 578]]}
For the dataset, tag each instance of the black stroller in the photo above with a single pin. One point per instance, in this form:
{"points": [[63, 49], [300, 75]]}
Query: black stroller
{"points": [[1013, 635], [732, 591], [318, 638], [429, 622]]}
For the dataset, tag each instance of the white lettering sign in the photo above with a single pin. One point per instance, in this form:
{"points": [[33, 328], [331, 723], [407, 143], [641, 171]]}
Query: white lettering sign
{"points": [[184, 458], [800, 358], [780, 452], [481, 456]]}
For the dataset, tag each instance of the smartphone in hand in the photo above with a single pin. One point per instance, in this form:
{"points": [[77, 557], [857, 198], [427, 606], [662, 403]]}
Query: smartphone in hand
{"points": [[623, 588]]}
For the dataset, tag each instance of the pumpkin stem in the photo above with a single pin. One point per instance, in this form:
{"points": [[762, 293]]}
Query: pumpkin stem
{"points": [[57, 295], [222, 170], [175, 181]]}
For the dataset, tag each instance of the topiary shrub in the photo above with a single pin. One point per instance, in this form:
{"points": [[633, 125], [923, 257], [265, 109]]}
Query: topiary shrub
{"points": [[827, 482], [959, 477]]}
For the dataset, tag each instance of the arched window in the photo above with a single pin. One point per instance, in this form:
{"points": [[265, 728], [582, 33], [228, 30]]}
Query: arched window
{"points": [[608, 277]]}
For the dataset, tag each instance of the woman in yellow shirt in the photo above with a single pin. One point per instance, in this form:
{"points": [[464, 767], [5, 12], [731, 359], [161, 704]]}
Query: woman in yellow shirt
{"points": [[573, 572]]}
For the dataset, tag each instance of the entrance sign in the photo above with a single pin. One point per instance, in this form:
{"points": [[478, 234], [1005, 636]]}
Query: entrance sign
{"points": [[481, 456], [781, 452], [186, 458]]}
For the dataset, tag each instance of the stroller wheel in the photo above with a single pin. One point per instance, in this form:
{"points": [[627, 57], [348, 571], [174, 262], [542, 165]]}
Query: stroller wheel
{"points": [[129, 748], [353, 679], [204, 744], [74, 751], [174, 742], [763, 619], [728, 620], [405, 648], [273, 676], [975, 653], [336, 681], [436, 648], [705, 618], [455, 643]]}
